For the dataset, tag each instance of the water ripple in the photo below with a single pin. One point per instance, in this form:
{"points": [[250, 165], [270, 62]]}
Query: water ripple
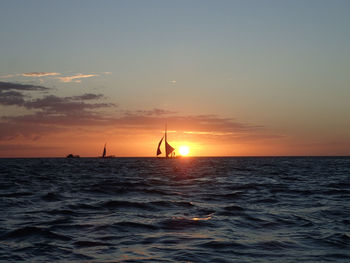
{"points": [[179, 210]]}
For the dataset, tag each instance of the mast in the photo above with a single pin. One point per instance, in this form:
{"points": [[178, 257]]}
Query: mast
{"points": [[168, 148], [166, 142]]}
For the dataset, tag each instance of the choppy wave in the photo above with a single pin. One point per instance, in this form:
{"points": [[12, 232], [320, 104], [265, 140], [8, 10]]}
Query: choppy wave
{"points": [[179, 210]]}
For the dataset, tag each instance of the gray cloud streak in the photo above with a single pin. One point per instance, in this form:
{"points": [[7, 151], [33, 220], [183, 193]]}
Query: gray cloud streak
{"points": [[17, 86], [55, 114]]}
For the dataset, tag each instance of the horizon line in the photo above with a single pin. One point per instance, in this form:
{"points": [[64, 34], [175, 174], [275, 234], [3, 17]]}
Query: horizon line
{"points": [[182, 157]]}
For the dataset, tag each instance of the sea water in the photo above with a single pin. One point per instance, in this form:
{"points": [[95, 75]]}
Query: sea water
{"points": [[177, 210]]}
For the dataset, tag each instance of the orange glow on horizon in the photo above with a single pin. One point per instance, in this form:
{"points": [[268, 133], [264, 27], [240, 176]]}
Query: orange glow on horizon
{"points": [[143, 143]]}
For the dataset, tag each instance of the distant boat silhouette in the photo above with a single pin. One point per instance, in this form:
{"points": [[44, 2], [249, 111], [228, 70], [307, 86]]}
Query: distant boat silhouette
{"points": [[104, 153], [169, 151], [72, 156]]}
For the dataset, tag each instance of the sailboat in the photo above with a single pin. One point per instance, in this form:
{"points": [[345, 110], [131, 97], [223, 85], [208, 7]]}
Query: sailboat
{"points": [[104, 153], [169, 150]]}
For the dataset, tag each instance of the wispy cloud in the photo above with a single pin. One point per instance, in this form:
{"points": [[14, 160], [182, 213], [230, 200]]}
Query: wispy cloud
{"points": [[190, 124], [11, 98], [59, 105], [31, 74], [11, 93], [154, 112], [76, 78], [87, 96], [40, 74], [49, 114], [18, 86], [208, 133]]}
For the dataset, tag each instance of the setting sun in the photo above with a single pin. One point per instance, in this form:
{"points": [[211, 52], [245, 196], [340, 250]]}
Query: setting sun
{"points": [[184, 150]]}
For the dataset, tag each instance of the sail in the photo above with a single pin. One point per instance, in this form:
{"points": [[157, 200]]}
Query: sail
{"points": [[168, 149], [158, 150], [104, 152]]}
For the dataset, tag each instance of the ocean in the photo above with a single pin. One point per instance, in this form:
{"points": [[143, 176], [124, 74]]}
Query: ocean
{"points": [[244, 209]]}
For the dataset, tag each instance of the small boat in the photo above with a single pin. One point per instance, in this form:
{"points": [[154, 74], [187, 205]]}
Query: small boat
{"points": [[169, 150], [104, 153], [72, 156]]}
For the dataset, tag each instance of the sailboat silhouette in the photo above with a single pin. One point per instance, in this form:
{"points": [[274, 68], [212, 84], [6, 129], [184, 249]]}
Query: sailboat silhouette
{"points": [[169, 150], [104, 153]]}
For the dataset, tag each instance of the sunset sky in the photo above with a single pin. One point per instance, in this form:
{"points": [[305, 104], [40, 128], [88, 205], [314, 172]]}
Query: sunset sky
{"points": [[230, 78]]}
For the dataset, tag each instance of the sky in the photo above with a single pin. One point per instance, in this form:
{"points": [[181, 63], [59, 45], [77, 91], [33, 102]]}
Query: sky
{"points": [[230, 78]]}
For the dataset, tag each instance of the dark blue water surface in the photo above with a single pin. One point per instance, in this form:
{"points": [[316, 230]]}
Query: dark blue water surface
{"points": [[179, 210]]}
